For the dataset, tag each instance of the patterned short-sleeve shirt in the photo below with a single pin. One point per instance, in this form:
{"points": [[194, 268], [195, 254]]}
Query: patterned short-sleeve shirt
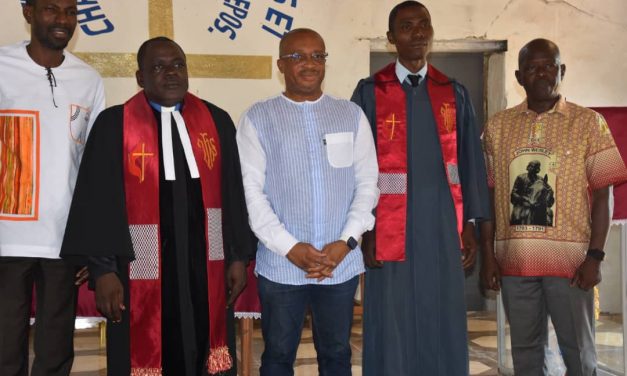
{"points": [[543, 168]]}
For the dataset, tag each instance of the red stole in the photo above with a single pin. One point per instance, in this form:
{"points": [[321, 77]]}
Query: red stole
{"points": [[391, 118], [141, 183]]}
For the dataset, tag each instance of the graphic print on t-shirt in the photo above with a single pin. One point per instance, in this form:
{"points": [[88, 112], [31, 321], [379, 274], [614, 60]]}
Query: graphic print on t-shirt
{"points": [[532, 194], [79, 118], [19, 165]]}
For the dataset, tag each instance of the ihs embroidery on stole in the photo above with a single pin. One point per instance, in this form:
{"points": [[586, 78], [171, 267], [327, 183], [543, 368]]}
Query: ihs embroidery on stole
{"points": [[448, 115], [209, 149]]}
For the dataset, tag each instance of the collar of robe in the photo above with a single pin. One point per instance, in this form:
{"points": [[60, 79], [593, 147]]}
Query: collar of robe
{"points": [[167, 113]]}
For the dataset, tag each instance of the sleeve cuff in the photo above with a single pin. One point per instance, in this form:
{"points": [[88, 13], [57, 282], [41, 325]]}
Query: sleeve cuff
{"points": [[351, 230], [99, 266], [284, 243]]}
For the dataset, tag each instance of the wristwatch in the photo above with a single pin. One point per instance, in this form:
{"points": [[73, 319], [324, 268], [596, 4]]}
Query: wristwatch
{"points": [[352, 243], [596, 254]]}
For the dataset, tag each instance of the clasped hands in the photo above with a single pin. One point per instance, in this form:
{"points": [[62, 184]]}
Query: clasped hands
{"points": [[318, 264]]}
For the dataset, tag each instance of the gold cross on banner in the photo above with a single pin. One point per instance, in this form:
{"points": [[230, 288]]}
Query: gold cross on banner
{"points": [[161, 23]]}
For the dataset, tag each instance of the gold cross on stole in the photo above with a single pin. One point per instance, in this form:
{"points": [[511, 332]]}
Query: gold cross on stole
{"points": [[393, 122], [161, 23], [140, 154]]}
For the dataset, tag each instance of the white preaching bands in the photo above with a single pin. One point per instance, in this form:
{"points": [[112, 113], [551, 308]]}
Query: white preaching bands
{"points": [[166, 142]]}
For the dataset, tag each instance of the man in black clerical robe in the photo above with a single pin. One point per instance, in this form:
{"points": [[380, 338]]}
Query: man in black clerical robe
{"points": [[103, 210]]}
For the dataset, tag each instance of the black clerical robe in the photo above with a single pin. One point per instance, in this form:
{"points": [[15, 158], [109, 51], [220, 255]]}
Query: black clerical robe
{"points": [[97, 232], [414, 310]]}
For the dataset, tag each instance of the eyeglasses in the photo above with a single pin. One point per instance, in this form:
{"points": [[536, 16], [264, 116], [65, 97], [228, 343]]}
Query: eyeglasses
{"points": [[297, 57]]}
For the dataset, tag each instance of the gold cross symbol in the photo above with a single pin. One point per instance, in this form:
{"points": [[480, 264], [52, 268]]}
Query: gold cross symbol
{"points": [[161, 23], [134, 156], [392, 121]]}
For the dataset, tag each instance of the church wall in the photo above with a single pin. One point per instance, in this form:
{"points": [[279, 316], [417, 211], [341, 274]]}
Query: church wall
{"points": [[591, 36], [590, 33]]}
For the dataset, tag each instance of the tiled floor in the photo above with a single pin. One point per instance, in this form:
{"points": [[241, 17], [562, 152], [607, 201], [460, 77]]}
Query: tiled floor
{"points": [[483, 360], [91, 361], [90, 357]]}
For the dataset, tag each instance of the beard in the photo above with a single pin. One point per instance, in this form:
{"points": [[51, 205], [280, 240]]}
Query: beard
{"points": [[46, 38]]}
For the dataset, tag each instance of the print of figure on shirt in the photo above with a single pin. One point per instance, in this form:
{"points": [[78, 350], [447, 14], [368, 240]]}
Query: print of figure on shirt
{"points": [[532, 198]]}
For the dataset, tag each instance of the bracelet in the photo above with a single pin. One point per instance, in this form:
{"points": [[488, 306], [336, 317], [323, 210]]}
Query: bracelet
{"points": [[596, 254]]}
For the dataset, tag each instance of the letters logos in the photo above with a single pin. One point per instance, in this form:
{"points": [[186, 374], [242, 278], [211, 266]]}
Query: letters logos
{"points": [[209, 149]]}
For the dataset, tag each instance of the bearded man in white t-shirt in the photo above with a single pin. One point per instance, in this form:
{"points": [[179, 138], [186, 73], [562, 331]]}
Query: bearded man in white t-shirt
{"points": [[48, 101]]}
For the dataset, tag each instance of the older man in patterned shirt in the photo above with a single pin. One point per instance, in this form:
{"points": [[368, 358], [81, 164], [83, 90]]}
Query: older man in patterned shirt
{"points": [[549, 269]]}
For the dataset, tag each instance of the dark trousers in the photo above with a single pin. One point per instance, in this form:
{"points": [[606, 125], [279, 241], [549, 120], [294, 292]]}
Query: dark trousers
{"points": [[54, 320], [283, 314]]}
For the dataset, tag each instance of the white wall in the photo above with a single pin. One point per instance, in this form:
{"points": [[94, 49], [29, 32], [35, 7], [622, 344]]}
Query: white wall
{"points": [[610, 287], [591, 34]]}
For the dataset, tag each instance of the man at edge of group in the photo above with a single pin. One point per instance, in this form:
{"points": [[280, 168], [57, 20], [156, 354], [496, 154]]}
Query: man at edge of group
{"points": [[432, 181], [549, 269], [159, 213], [48, 102], [310, 177]]}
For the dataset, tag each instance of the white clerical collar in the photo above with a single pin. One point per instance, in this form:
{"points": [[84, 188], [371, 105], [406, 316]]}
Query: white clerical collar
{"points": [[166, 140], [402, 72]]}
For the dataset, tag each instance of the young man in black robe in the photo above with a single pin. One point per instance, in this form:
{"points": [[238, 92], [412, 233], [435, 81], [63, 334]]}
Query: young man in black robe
{"points": [[159, 215], [433, 184]]}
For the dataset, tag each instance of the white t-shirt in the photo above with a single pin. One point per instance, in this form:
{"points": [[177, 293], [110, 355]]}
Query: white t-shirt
{"points": [[42, 137]]}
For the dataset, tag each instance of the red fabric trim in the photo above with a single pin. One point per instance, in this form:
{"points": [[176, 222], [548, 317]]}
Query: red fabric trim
{"points": [[616, 118], [445, 111], [141, 185], [146, 371], [219, 360], [142, 198], [206, 146], [248, 301], [391, 118]]}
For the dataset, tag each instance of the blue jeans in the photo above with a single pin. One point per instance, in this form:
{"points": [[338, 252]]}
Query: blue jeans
{"points": [[283, 314]]}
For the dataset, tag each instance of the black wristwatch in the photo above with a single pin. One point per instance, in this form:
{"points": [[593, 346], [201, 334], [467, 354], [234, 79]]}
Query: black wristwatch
{"points": [[352, 243], [596, 254]]}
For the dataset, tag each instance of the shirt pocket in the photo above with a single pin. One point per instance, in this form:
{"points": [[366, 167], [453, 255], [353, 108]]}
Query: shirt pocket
{"points": [[339, 149]]}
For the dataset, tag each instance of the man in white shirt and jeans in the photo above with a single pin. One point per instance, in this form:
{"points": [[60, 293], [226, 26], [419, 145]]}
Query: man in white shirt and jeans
{"points": [[48, 101], [310, 177]]}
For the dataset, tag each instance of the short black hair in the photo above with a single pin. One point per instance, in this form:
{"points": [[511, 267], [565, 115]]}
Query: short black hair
{"points": [[29, 2], [403, 5], [142, 49]]}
